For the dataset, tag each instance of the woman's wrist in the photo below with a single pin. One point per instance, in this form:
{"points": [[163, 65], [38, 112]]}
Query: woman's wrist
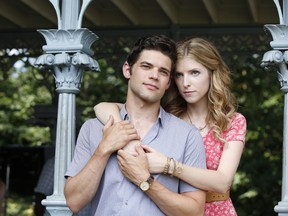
{"points": [[172, 167], [178, 169], [167, 166]]}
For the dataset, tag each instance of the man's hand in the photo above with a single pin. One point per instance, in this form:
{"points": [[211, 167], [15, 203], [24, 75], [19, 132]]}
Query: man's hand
{"points": [[135, 168], [117, 135]]}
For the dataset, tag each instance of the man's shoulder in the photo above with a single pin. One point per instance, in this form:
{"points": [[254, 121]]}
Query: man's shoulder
{"points": [[175, 121], [91, 123]]}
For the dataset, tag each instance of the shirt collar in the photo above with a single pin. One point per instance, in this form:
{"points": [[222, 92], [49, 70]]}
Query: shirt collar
{"points": [[125, 116]]}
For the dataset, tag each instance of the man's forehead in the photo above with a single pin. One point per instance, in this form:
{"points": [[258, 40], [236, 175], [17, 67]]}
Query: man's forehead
{"points": [[155, 57]]}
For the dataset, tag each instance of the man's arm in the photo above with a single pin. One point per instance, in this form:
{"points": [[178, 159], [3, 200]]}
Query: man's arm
{"points": [[171, 203], [136, 170], [79, 189]]}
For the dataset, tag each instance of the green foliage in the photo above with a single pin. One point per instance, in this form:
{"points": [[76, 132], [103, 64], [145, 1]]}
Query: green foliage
{"points": [[257, 185], [19, 93], [20, 205], [25, 88], [106, 85]]}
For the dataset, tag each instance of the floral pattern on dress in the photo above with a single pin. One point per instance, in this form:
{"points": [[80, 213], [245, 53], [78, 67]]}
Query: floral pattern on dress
{"points": [[214, 149]]}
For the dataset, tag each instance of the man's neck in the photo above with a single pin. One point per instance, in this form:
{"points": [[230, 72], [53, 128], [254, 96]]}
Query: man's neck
{"points": [[142, 115]]}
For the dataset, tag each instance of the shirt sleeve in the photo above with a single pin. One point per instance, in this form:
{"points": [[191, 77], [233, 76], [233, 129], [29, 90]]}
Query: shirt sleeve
{"points": [[84, 146], [237, 131], [194, 156]]}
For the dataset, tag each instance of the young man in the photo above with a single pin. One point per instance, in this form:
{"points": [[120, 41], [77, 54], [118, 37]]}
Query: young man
{"points": [[94, 174]]}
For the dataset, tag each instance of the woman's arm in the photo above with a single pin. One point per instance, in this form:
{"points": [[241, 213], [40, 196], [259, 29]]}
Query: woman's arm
{"points": [[171, 203], [104, 109], [218, 180]]}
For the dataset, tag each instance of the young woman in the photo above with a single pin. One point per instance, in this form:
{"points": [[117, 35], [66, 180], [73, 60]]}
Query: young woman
{"points": [[200, 93]]}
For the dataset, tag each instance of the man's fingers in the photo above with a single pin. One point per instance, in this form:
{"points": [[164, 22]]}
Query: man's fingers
{"points": [[109, 123], [140, 150], [146, 148]]}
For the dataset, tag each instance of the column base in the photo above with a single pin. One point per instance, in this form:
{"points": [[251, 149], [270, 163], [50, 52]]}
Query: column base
{"points": [[282, 208], [56, 206]]}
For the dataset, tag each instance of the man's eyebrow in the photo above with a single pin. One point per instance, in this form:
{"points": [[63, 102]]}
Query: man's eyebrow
{"points": [[145, 62], [150, 64]]}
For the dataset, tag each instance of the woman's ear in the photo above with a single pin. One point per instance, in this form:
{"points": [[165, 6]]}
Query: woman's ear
{"points": [[126, 69]]}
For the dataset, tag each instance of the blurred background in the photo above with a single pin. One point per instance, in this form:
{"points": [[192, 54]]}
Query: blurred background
{"points": [[28, 101]]}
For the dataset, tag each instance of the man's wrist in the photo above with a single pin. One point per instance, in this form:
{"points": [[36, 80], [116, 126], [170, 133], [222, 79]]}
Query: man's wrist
{"points": [[145, 185], [102, 152]]}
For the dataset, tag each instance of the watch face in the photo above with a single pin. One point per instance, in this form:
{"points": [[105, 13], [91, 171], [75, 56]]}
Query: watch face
{"points": [[144, 186]]}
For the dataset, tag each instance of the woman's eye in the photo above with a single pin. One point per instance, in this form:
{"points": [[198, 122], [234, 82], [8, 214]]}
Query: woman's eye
{"points": [[177, 75], [194, 73]]}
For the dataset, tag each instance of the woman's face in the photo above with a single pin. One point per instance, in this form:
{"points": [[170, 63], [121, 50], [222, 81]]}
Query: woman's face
{"points": [[192, 80]]}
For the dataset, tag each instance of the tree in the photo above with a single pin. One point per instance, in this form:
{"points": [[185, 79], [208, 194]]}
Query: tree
{"points": [[258, 93]]}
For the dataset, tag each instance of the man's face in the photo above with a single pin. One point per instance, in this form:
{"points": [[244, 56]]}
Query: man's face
{"points": [[149, 77]]}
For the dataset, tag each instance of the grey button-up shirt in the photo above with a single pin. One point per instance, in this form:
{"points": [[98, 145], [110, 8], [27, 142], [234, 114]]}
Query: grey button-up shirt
{"points": [[118, 196]]}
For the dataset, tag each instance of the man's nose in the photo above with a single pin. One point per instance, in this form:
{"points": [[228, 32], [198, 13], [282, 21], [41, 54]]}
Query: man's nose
{"points": [[154, 74]]}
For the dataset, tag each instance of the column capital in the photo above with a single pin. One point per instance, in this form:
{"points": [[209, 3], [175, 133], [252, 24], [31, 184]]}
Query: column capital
{"points": [[72, 40]]}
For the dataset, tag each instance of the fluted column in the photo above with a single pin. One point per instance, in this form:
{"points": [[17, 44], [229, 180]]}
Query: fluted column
{"points": [[67, 54], [278, 59]]}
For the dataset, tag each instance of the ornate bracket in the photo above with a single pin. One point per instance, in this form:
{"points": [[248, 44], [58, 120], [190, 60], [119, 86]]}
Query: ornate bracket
{"points": [[278, 57], [68, 53]]}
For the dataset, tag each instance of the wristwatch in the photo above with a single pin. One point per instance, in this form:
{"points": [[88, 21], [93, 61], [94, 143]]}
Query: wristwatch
{"points": [[145, 185]]}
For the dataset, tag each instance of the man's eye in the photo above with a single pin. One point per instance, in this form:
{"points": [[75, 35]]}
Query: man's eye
{"points": [[166, 73], [145, 66]]}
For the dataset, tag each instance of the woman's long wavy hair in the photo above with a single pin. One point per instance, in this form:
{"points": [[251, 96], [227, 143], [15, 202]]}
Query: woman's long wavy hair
{"points": [[221, 101]]}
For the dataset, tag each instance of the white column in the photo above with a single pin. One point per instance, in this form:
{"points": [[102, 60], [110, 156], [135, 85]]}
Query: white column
{"points": [[278, 58], [70, 12], [68, 54]]}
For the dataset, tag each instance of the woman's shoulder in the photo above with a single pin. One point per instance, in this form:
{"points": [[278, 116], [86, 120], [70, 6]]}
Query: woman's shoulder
{"points": [[238, 118], [237, 129]]}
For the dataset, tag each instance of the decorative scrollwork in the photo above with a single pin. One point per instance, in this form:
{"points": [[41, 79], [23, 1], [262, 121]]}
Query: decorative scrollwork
{"points": [[80, 59], [68, 69], [278, 57], [272, 59], [44, 60], [283, 82]]}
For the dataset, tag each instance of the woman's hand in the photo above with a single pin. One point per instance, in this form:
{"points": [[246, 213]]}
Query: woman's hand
{"points": [[135, 168], [156, 159], [131, 147]]}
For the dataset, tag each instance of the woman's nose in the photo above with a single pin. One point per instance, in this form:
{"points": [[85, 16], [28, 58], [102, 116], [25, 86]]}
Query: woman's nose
{"points": [[186, 81]]}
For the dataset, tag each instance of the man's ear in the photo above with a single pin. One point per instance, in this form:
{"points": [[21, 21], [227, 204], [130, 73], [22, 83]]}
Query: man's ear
{"points": [[126, 69], [168, 85]]}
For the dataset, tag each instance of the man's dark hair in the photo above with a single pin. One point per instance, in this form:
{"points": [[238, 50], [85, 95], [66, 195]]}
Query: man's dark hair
{"points": [[157, 42]]}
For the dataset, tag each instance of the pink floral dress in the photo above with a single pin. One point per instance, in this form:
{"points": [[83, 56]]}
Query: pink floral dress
{"points": [[214, 148]]}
